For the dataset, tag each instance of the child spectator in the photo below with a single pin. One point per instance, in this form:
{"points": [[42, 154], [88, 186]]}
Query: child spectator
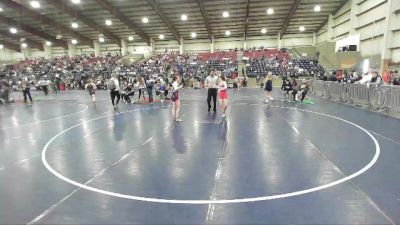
{"points": [[286, 87], [304, 88]]}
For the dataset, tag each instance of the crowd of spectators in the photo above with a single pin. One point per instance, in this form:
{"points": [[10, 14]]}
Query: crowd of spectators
{"points": [[278, 62], [73, 73], [64, 72], [371, 77]]}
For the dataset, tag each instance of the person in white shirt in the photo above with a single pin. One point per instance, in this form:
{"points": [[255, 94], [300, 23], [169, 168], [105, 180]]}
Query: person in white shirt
{"points": [[211, 83], [141, 88], [365, 79], [371, 79], [176, 102], [44, 84], [113, 86]]}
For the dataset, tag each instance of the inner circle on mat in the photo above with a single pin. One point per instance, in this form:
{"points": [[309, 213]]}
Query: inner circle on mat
{"points": [[85, 107], [222, 201]]}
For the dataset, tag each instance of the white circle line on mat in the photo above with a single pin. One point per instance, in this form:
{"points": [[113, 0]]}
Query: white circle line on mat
{"points": [[227, 201], [47, 120]]}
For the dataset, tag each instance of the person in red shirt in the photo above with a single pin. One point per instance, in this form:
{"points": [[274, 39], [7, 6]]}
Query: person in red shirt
{"points": [[223, 95], [387, 77], [339, 76]]}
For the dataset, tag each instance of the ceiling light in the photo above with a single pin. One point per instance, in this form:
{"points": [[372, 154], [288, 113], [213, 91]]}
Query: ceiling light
{"points": [[74, 41], [13, 30], [317, 8], [227, 33], [101, 40], [130, 38], [1, 9], [76, 1], [302, 28], [48, 43], [225, 14], [145, 20], [193, 35], [108, 22], [74, 25], [24, 45], [270, 11], [1, 46], [161, 36], [263, 30], [184, 17], [35, 4]]}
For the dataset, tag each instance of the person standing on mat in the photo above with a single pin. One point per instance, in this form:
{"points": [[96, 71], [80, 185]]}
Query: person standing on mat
{"points": [[223, 95], [286, 88], [176, 102], [268, 87], [294, 88], [141, 87], [211, 84], [304, 88], [149, 85], [26, 89], [91, 87], [113, 86], [43, 83]]}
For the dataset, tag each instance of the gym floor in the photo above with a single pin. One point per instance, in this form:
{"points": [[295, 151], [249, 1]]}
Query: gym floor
{"points": [[66, 160]]}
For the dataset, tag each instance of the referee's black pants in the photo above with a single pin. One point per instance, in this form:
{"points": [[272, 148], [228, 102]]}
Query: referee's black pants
{"points": [[212, 93]]}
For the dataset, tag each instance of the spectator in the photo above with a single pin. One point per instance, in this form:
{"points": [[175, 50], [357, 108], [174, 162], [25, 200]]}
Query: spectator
{"points": [[268, 87], [4, 92], [141, 87], [149, 86], [26, 90], [304, 88], [114, 88], [128, 91], [91, 87], [375, 79], [286, 87], [294, 89]]}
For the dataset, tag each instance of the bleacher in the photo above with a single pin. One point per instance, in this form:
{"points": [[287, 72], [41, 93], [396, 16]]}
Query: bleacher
{"points": [[207, 56], [278, 62], [261, 67], [266, 53]]}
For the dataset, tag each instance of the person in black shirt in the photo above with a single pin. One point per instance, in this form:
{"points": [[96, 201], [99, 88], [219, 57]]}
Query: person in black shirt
{"points": [[286, 87], [128, 91], [268, 87]]}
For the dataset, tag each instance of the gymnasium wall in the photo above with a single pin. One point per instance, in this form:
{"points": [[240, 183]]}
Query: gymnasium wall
{"points": [[228, 43], [370, 24], [161, 46], [371, 19], [195, 45], [297, 40], [309, 51], [202, 45], [322, 35], [395, 32], [267, 41], [58, 52]]}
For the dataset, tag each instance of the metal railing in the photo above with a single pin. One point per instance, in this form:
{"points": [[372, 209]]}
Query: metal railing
{"points": [[380, 98]]}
